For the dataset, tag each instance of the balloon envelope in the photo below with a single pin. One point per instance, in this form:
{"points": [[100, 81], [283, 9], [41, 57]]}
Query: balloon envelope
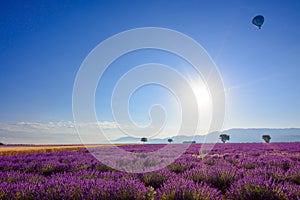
{"points": [[258, 21]]}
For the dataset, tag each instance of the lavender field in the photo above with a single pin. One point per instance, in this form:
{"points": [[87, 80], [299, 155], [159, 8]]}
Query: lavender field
{"points": [[229, 171]]}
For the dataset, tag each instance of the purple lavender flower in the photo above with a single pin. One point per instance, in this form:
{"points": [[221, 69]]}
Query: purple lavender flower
{"points": [[232, 171], [259, 187], [220, 175], [157, 178], [182, 189]]}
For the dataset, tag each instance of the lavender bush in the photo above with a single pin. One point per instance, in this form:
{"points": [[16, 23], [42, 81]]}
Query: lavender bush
{"points": [[259, 187], [182, 189]]}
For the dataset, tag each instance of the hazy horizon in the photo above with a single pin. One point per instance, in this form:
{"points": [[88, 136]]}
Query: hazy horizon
{"points": [[237, 135]]}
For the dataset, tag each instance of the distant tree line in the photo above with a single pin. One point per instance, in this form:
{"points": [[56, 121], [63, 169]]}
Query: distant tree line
{"points": [[189, 142], [223, 137]]}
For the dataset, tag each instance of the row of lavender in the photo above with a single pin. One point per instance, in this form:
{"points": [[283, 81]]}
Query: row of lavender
{"points": [[229, 171]]}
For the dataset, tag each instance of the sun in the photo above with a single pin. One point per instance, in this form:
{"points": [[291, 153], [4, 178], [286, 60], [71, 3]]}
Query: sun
{"points": [[201, 93]]}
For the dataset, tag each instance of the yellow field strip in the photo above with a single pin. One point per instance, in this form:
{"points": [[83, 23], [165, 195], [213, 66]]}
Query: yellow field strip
{"points": [[16, 150]]}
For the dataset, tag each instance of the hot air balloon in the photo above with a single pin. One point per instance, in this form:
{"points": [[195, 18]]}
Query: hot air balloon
{"points": [[258, 21]]}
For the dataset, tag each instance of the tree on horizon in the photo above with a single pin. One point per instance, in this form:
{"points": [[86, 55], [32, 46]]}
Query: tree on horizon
{"points": [[224, 137], [144, 139], [170, 140], [266, 138]]}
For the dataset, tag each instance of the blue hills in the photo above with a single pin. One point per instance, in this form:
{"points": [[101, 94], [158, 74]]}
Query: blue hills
{"points": [[237, 135]]}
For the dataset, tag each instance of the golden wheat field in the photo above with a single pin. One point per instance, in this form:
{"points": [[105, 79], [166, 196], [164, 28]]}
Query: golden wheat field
{"points": [[16, 150]]}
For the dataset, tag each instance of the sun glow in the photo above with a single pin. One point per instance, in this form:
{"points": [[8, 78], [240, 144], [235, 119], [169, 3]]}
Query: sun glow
{"points": [[205, 106], [202, 94]]}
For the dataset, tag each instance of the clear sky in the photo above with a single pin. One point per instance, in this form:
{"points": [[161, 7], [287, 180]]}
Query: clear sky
{"points": [[43, 43]]}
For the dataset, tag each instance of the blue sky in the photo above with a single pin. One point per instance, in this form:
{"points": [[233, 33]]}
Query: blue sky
{"points": [[42, 45]]}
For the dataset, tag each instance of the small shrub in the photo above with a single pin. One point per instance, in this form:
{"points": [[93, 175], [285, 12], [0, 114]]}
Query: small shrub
{"points": [[157, 178], [178, 168], [259, 187], [293, 175], [181, 189], [219, 176]]}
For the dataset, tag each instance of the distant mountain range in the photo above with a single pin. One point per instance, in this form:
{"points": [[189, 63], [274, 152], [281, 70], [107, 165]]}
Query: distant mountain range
{"points": [[237, 135]]}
